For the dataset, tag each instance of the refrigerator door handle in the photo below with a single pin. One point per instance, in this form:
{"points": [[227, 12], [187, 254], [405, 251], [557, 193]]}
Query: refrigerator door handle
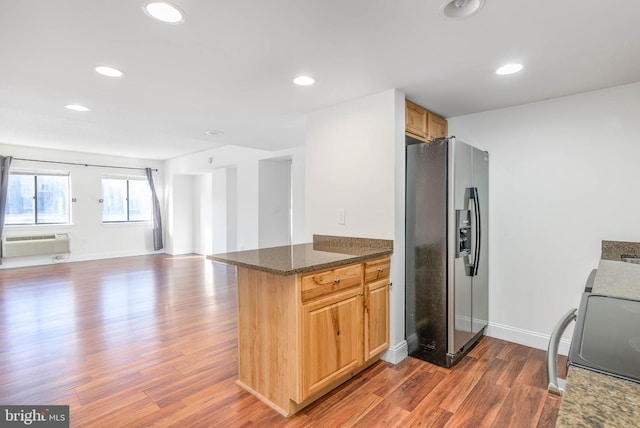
{"points": [[476, 204]]}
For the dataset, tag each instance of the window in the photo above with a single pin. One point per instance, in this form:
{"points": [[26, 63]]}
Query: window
{"points": [[37, 198], [125, 199]]}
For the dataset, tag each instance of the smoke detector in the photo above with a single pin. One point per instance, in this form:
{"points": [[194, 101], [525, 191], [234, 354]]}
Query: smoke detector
{"points": [[461, 8]]}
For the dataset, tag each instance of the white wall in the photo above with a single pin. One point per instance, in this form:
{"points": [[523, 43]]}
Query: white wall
{"points": [[398, 349], [274, 196], [355, 164], [248, 204], [202, 213], [90, 239], [563, 177], [350, 168], [224, 211], [232, 208], [219, 210], [183, 221], [243, 179]]}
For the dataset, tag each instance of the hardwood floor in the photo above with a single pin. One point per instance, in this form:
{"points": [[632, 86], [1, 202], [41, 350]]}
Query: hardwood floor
{"points": [[151, 341]]}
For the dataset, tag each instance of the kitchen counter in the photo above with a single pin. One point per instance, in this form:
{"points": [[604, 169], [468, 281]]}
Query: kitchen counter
{"points": [[593, 399], [325, 252], [310, 316], [616, 250]]}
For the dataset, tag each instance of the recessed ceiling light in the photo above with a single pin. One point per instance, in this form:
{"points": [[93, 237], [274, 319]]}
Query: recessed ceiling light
{"points": [[164, 11], [214, 132], [509, 69], [77, 107], [105, 70], [304, 80], [460, 8]]}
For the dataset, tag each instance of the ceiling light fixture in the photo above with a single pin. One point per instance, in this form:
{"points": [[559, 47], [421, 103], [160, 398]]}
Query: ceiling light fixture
{"points": [[77, 107], [509, 69], [461, 8], [214, 132], [164, 11], [105, 70], [304, 80]]}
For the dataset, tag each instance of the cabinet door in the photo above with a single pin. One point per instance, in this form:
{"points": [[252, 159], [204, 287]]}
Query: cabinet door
{"points": [[415, 119], [376, 318], [438, 126], [331, 339]]}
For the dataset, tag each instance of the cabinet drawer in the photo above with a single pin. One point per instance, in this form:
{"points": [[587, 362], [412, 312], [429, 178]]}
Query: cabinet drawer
{"points": [[325, 282], [377, 269]]}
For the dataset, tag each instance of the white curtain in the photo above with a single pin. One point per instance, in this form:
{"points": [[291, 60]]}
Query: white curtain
{"points": [[157, 221], [5, 164]]}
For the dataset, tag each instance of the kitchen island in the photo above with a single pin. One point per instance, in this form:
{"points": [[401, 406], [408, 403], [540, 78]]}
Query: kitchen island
{"points": [[310, 316], [596, 399]]}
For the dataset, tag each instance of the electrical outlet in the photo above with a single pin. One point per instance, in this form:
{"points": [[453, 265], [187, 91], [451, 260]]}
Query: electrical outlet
{"points": [[341, 216]]}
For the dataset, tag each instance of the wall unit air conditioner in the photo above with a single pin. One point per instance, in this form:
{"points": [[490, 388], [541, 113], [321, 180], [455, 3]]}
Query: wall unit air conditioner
{"points": [[20, 246]]}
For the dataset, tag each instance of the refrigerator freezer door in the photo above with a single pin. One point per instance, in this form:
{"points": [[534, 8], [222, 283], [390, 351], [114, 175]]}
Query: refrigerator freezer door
{"points": [[426, 251], [460, 284], [480, 297]]}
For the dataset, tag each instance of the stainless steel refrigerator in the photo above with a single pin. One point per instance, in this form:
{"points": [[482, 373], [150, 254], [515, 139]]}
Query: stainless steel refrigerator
{"points": [[446, 248]]}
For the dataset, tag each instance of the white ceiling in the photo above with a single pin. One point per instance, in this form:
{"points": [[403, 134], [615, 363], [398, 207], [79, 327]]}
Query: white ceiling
{"points": [[230, 65]]}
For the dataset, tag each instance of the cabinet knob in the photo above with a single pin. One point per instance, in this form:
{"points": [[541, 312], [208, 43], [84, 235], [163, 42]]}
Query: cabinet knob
{"points": [[337, 281], [381, 270], [361, 293]]}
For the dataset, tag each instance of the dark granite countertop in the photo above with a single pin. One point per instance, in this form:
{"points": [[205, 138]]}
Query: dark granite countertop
{"points": [[324, 253], [617, 250], [593, 399]]}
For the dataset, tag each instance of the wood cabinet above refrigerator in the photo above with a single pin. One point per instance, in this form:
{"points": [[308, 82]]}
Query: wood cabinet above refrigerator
{"points": [[422, 124]]}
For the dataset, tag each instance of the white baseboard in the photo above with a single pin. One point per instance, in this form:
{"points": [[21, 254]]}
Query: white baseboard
{"points": [[533, 339], [111, 255], [29, 261], [396, 353], [530, 338], [183, 251]]}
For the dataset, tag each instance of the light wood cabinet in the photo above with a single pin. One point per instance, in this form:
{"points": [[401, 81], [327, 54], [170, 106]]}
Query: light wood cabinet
{"points": [[376, 307], [299, 336], [332, 339], [437, 127], [330, 281], [415, 119], [377, 269], [422, 124], [376, 318]]}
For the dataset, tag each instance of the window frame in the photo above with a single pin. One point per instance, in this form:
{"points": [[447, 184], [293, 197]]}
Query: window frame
{"points": [[34, 174], [127, 179]]}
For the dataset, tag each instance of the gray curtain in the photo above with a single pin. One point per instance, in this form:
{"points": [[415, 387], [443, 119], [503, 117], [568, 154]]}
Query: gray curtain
{"points": [[157, 221], [5, 164]]}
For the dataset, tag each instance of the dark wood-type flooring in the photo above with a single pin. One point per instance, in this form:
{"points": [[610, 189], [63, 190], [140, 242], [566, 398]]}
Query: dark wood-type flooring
{"points": [[151, 341]]}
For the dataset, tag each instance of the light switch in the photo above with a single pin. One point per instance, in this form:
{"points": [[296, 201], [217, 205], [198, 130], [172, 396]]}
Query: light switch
{"points": [[340, 216]]}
